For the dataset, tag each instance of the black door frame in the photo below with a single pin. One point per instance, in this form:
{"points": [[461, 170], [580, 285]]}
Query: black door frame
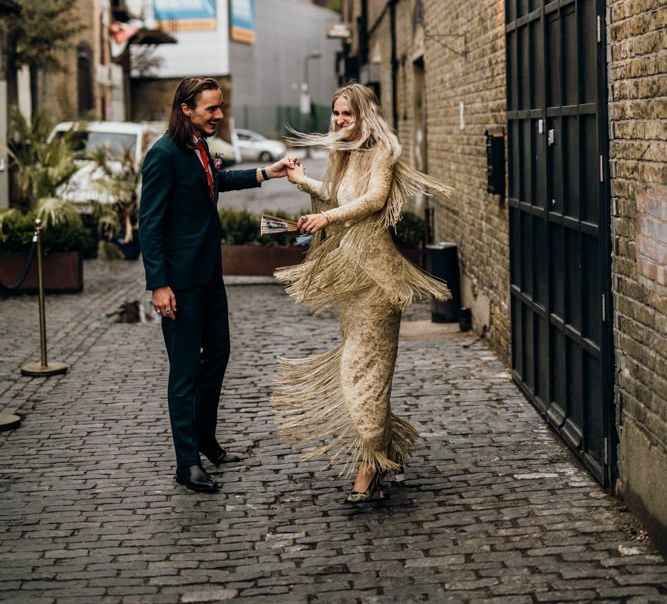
{"points": [[540, 9]]}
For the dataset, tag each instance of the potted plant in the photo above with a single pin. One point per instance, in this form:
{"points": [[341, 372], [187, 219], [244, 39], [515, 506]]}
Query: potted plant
{"points": [[117, 220], [40, 165], [63, 238], [409, 236], [245, 252]]}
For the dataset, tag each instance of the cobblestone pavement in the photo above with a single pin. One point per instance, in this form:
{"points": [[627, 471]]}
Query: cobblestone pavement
{"points": [[495, 508]]}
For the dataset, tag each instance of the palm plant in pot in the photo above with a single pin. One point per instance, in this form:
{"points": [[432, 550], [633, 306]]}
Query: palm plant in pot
{"points": [[117, 220], [39, 166]]}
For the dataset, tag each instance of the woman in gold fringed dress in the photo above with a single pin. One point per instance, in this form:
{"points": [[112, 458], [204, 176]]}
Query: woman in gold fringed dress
{"points": [[339, 401]]}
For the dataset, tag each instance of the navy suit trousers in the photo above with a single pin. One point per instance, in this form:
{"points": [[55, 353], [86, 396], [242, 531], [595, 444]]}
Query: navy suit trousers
{"points": [[197, 342]]}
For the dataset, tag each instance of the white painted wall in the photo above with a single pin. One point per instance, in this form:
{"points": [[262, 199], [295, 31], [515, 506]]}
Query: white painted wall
{"points": [[198, 53]]}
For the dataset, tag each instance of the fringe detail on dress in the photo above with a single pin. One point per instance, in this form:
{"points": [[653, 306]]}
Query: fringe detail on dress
{"points": [[310, 409], [334, 271], [406, 184]]}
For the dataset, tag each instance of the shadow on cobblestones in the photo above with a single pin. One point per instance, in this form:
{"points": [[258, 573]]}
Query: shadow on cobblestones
{"points": [[495, 508]]}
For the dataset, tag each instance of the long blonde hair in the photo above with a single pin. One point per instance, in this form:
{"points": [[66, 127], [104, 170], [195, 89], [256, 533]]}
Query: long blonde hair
{"points": [[370, 135]]}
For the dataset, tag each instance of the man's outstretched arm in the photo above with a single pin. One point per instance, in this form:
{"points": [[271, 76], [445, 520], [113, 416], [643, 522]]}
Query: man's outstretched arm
{"points": [[233, 180]]}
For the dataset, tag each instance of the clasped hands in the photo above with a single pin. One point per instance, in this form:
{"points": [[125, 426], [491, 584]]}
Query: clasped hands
{"points": [[281, 168], [309, 223]]}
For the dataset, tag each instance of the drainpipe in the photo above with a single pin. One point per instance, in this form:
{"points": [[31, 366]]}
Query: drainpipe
{"points": [[394, 64]]}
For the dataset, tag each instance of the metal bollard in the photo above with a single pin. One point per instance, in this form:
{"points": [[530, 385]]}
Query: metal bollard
{"points": [[43, 368]]}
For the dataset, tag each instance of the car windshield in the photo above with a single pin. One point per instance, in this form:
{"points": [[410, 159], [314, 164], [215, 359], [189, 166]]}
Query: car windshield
{"points": [[115, 144]]}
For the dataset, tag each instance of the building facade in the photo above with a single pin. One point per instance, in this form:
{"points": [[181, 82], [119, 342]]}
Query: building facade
{"points": [[8, 8], [290, 49], [201, 49], [88, 83], [563, 258], [637, 71]]}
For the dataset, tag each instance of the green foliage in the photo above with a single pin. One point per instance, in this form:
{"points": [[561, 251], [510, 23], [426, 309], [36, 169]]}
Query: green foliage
{"points": [[41, 31], [121, 183], [409, 231], [334, 5], [64, 234], [240, 227], [40, 166]]}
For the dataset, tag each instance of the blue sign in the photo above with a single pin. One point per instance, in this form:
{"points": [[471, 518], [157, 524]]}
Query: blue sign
{"points": [[185, 14], [243, 21]]}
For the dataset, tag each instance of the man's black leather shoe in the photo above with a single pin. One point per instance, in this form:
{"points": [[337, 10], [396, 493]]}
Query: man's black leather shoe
{"points": [[217, 455], [197, 479]]}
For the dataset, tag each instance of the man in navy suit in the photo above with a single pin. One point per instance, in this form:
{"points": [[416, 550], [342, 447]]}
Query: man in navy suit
{"points": [[180, 240]]}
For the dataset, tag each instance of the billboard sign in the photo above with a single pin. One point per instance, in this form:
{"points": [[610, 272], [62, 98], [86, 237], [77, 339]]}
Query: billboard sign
{"points": [[242, 21], [185, 15], [201, 29]]}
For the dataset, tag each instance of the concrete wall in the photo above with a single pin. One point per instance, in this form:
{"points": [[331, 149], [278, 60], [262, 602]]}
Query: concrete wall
{"points": [[268, 74], [638, 151]]}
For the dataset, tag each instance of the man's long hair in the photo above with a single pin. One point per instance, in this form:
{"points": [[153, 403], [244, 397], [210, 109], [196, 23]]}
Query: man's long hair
{"points": [[188, 91]]}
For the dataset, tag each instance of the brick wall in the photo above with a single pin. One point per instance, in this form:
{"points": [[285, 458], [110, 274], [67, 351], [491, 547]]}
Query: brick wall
{"points": [[58, 87], [476, 221], [638, 148]]}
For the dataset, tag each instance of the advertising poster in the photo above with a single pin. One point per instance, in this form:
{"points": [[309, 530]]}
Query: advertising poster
{"points": [[185, 15], [242, 21]]}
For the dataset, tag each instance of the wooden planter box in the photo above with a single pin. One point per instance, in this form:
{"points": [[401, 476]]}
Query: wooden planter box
{"points": [[258, 260], [263, 260], [63, 272]]}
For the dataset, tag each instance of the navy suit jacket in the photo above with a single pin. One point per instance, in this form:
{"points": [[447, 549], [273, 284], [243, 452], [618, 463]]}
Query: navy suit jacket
{"points": [[179, 228]]}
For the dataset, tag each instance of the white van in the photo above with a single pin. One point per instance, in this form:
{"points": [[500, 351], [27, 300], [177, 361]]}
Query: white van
{"points": [[114, 137]]}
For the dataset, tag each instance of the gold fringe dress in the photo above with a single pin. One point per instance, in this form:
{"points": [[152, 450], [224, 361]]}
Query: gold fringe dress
{"points": [[338, 402]]}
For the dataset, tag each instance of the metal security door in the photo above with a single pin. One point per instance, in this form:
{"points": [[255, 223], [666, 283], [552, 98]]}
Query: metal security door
{"points": [[559, 220]]}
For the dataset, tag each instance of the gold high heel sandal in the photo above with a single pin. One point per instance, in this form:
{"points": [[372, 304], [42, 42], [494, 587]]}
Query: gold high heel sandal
{"points": [[372, 493]]}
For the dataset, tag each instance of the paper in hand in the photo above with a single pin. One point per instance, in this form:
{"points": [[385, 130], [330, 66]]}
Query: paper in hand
{"points": [[273, 224]]}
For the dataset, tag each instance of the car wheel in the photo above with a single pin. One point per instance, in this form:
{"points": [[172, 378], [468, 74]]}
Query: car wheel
{"points": [[265, 156]]}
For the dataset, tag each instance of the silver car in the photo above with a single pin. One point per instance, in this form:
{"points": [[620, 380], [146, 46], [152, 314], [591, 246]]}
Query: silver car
{"points": [[255, 147]]}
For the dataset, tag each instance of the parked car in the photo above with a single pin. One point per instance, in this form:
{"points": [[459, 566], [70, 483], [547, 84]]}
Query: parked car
{"points": [[116, 138], [255, 147], [221, 149]]}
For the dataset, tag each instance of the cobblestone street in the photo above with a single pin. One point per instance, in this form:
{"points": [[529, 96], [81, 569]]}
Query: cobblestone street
{"points": [[495, 508]]}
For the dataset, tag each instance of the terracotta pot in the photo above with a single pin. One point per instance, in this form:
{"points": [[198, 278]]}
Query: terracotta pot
{"points": [[63, 272], [258, 260]]}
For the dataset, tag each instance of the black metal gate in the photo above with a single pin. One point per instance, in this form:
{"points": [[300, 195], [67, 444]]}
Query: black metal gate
{"points": [[562, 353]]}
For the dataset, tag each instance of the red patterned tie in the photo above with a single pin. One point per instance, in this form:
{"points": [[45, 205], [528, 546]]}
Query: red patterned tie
{"points": [[204, 161]]}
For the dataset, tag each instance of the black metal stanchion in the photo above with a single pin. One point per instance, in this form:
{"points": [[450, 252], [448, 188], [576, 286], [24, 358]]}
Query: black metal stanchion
{"points": [[43, 368]]}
